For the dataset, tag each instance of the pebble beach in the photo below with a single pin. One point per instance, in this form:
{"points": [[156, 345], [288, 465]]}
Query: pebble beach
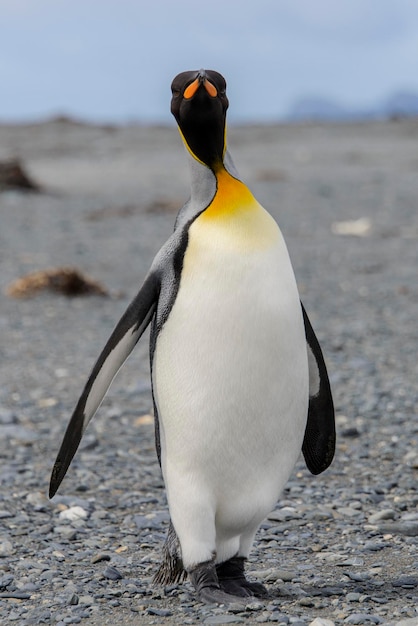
{"points": [[340, 548]]}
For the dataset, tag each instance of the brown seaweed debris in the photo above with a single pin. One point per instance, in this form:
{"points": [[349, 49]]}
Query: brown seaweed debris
{"points": [[65, 280], [14, 177], [128, 210], [162, 206], [271, 176]]}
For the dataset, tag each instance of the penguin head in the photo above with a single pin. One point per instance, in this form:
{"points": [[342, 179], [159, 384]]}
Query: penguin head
{"points": [[199, 104]]}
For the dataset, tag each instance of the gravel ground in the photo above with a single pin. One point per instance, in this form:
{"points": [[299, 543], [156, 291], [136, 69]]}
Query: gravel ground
{"points": [[341, 547]]}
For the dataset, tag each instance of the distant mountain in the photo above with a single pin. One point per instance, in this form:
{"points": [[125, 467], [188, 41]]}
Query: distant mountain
{"points": [[314, 108], [401, 104]]}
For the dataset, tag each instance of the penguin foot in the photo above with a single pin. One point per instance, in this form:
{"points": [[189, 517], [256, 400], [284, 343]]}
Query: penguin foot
{"points": [[204, 579], [232, 580]]}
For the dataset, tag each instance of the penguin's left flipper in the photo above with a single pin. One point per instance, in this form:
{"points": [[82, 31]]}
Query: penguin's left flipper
{"points": [[119, 346], [319, 441]]}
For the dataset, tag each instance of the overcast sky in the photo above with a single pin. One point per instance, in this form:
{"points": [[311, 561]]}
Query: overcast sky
{"points": [[113, 60]]}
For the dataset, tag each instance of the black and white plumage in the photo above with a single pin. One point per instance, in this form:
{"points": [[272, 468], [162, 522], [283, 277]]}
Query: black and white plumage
{"points": [[239, 381]]}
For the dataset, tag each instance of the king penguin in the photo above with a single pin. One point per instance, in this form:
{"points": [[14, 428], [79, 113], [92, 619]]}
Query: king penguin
{"points": [[239, 381]]}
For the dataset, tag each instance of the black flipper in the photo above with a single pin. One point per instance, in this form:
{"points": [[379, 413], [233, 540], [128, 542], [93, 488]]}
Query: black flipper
{"points": [[319, 441], [116, 351]]}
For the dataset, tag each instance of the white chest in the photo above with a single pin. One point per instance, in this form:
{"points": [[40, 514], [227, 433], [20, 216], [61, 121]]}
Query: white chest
{"points": [[230, 363]]}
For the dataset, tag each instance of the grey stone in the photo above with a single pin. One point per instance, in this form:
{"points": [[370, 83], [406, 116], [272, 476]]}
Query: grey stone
{"points": [[375, 546], [254, 606], [384, 514], [101, 556], [86, 600], [6, 548], [7, 417], [354, 561], [410, 529], [5, 581], [277, 616], [159, 612], [17, 595], [306, 601], [407, 582], [112, 573], [352, 597], [358, 576], [363, 618], [67, 532]]}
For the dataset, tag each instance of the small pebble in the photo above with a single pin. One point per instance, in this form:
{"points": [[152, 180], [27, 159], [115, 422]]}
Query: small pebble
{"points": [[350, 432], [352, 597], [407, 582], [101, 556], [6, 548], [86, 600], [6, 580], [7, 417], [382, 515], [363, 618], [112, 573], [277, 616], [74, 599], [410, 529], [358, 576], [354, 561], [284, 514], [254, 606], [74, 513], [375, 546], [159, 612], [308, 602], [66, 532]]}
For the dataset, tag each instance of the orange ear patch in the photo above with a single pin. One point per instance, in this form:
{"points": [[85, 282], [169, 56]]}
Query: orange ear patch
{"points": [[190, 91], [210, 88]]}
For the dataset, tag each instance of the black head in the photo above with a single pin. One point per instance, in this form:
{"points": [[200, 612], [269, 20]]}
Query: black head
{"points": [[199, 104]]}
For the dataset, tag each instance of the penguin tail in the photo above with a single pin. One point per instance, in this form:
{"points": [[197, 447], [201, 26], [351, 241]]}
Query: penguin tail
{"points": [[171, 570]]}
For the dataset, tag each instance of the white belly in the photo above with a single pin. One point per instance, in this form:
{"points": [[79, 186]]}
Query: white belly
{"points": [[230, 378]]}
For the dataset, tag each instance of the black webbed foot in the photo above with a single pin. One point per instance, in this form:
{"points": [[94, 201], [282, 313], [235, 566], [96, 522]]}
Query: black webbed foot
{"points": [[232, 580], [205, 580]]}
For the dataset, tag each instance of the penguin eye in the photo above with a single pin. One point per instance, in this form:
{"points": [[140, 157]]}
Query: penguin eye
{"points": [[176, 92]]}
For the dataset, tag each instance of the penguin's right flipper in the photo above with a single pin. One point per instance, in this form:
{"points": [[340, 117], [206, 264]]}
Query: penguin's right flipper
{"points": [[319, 441], [116, 351]]}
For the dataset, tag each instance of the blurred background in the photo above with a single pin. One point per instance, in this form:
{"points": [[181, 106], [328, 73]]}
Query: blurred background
{"points": [[113, 61]]}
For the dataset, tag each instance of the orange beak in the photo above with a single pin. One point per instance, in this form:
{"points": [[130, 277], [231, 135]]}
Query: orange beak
{"points": [[190, 91]]}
